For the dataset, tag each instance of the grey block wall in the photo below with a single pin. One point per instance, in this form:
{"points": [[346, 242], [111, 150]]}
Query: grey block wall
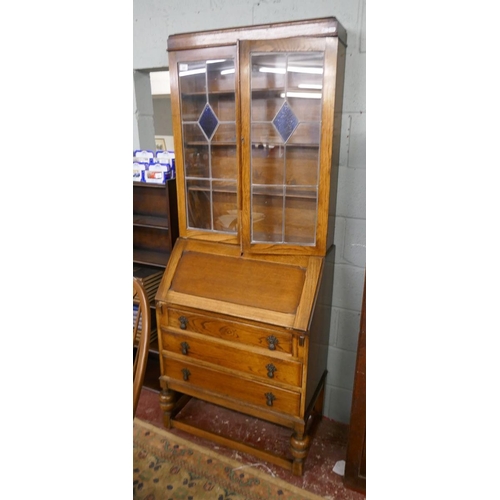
{"points": [[155, 20]]}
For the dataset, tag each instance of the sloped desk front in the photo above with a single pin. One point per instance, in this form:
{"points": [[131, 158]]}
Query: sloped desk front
{"points": [[241, 332]]}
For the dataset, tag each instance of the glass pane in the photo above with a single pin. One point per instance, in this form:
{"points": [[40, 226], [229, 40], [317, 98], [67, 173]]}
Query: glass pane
{"points": [[193, 134], [220, 75], [265, 133], [305, 111], [306, 133], [226, 132], [192, 107], [208, 114], [224, 106], [267, 214], [268, 71], [300, 215], [192, 78], [265, 105], [302, 166], [268, 164], [225, 206], [198, 204], [305, 73], [224, 162], [208, 121], [196, 162]]}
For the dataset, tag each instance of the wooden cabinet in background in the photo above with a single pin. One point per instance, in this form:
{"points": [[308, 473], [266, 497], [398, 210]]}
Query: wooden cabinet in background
{"points": [[244, 306], [155, 230], [355, 468], [155, 222]]}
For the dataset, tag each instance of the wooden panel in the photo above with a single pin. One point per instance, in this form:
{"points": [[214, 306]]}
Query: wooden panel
{"points": [[234, 357], [314, 27], [232, 386], [355, 467], [240, 281], [309, 293], [229, 309], [247, 333], [278, 290]]}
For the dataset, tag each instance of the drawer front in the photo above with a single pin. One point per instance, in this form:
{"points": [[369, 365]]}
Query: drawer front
{"points": [[259, 394], [286, 371], [271, 340]]}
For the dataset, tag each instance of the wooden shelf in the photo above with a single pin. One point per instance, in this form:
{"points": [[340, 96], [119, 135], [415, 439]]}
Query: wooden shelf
{"points": [[260, 90], [149, 257], [150, 221], [149, 185], [205, 143], [203, 93], [263, 190], [214, 190]]}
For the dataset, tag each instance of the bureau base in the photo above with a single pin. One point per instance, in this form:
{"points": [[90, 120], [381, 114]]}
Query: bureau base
{"points": [[176, 414]]}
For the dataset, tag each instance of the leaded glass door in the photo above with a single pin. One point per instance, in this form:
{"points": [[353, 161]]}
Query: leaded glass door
{"points": [[207, 137], [287, 143]]}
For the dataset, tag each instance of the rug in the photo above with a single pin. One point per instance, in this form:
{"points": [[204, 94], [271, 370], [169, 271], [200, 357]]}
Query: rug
{"points": [[167, 467]]}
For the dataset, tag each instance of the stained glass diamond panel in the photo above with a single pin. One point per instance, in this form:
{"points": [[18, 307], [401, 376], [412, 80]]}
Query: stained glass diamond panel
{"points": [[208, 121], [285, 122]]}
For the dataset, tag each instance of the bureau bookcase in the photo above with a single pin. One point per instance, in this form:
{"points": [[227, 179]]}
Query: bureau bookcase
{"points": [[243, 308]]}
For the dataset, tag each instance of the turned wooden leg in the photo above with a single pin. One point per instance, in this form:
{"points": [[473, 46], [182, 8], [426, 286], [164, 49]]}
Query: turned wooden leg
{"points": [[167, 404], [299, 447]]}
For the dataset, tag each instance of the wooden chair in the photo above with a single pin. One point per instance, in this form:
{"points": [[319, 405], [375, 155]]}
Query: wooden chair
{"points": [[141, 337]]}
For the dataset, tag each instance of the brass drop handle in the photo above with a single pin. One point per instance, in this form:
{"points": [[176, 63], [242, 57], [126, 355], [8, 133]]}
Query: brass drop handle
{"points": [[272, 342], [183, 322], [270, 370], [185, 374], [184, 348], [270, 397]]}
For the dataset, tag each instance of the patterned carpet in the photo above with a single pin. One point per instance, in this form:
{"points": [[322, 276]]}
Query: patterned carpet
{"points": [[167, 467]]}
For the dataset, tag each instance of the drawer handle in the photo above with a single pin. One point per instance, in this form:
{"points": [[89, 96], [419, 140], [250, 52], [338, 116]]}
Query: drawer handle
{"points": [[270, 398], [270, 370], [185, 374], [184, 348], [183, 321], [272, 342]]}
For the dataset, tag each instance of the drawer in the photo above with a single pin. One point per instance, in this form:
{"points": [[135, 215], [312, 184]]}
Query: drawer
{"points": [[226, 329], [271, 368], [256, 393]]}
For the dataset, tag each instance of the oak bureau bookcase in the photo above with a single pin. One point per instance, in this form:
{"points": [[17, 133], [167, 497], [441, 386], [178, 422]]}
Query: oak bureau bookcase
{"points": [[243, 308]]}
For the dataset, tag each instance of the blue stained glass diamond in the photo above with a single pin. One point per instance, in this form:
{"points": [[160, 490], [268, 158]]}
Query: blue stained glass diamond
{"points": [[208, 121], [285, 122]]}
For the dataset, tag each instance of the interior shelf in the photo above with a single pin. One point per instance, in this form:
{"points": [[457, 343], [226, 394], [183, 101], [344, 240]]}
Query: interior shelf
{"points": [[150, 221], [213, 143]]}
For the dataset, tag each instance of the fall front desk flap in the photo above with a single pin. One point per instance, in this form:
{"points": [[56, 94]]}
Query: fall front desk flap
{"points": [[278, 290]]}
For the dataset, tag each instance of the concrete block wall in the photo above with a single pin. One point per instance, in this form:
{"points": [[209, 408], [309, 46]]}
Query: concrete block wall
{"points": [[155, 20]]}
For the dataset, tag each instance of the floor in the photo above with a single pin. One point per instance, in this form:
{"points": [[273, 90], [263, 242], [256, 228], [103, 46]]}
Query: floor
{"points": [[328, 445]]}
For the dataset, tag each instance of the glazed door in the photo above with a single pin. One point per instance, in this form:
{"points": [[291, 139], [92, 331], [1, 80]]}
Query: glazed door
{"points": [[288, 93], [205, 112]]}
